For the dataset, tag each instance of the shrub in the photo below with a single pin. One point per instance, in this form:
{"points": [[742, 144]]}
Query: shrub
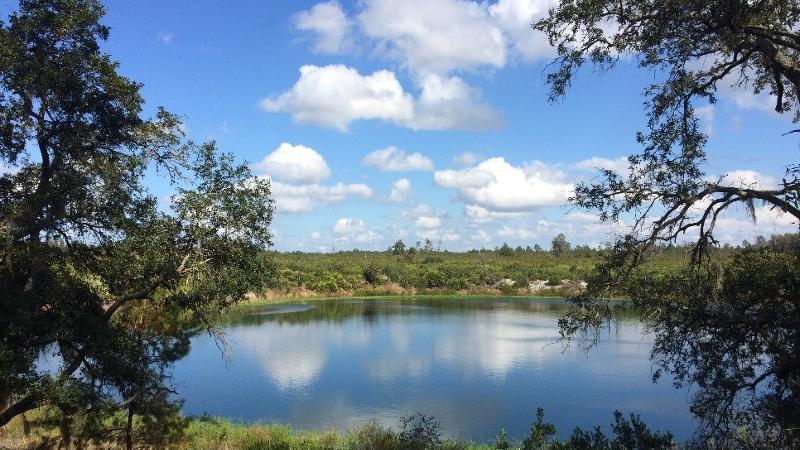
{"points": [[420, 432], [501, 441], [434, 279], [371, 275], [372, 436]]}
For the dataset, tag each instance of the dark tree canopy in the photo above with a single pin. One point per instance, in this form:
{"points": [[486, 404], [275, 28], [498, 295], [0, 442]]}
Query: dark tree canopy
{"points": [[730, 328], [93, 271]]}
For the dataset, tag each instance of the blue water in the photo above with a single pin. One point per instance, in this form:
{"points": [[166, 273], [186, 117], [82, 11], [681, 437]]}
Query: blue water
{"points": [[477, 365]]}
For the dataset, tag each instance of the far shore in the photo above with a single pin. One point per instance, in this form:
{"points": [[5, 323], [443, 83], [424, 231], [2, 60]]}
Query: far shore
{"points": [[306, 296]]}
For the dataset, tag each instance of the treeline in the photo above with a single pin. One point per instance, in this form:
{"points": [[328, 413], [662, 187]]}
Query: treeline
{"points": [[424, 269]]}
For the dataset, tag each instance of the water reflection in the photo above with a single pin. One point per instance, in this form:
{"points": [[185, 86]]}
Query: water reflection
{"points": [[476, 365]]}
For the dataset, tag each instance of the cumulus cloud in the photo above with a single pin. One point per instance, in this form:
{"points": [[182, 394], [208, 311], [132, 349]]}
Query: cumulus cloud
{"points": [[479, 214], [749, 179], [497, 185], [480, 236], [439, 235], [448, 103], [422, 210], [401, 191], [296, 173], [392, 159], [334, 96], [428, 222], [734, 226], [434, 36], [616, 164], [294, 164], [291, 198], [330, 26], [423, 217], [354, 230], [515, 18], [517, 233], [347, 225]]}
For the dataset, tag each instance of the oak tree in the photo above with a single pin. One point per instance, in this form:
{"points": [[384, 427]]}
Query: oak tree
{"points": [[730, 327], [97, 276]]}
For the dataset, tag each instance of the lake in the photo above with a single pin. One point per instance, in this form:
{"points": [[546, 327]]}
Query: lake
{"points": [[477, 365]]}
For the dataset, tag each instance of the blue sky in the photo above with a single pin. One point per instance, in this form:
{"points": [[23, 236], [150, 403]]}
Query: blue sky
{"points": [[446, 96]]}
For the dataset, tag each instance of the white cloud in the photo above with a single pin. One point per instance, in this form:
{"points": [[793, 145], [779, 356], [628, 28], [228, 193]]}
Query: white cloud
{"points": [[392, 159], [334, 96], [733, 226], [480, 236], [347, 226], [290, 198], [434, 36], [479, 214], [421, 210], [401, 191], [496, 185], [425, 217], [617, 164], [749, 179], [580, 216], [428, 222], [354, 230], [294, 164], [519, 233], [330, 26], [448, 103], [467, 159], [439, 235], [515, 18]]}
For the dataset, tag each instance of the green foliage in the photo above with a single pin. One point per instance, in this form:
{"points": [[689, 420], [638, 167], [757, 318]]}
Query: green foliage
{"points": [[371, 274], [382, 273], [94, 272], [505, 250], [542, 434], [419, 432], [398, 248], [501, 441], [560, 246], [724, 321], [416, 432]]}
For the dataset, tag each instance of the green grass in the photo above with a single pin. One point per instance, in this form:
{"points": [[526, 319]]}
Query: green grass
{"points": [[416, 433], [226, 435]]}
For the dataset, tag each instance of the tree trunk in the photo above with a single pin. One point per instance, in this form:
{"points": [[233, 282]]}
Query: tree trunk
{"points": [[129, 430], [66, 433], [26, 426]]}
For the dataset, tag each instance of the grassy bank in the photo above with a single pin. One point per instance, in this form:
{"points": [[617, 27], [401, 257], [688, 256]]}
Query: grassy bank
{"points": [[417, 432]]}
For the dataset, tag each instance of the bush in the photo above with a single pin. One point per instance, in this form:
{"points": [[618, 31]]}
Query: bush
{"points": [[371, 275], [372, 436], [434, 279], [501, 441], [419, 432]]}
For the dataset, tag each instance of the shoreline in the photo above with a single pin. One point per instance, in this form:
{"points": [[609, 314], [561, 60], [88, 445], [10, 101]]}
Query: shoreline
{"points": [[282, 298]]}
